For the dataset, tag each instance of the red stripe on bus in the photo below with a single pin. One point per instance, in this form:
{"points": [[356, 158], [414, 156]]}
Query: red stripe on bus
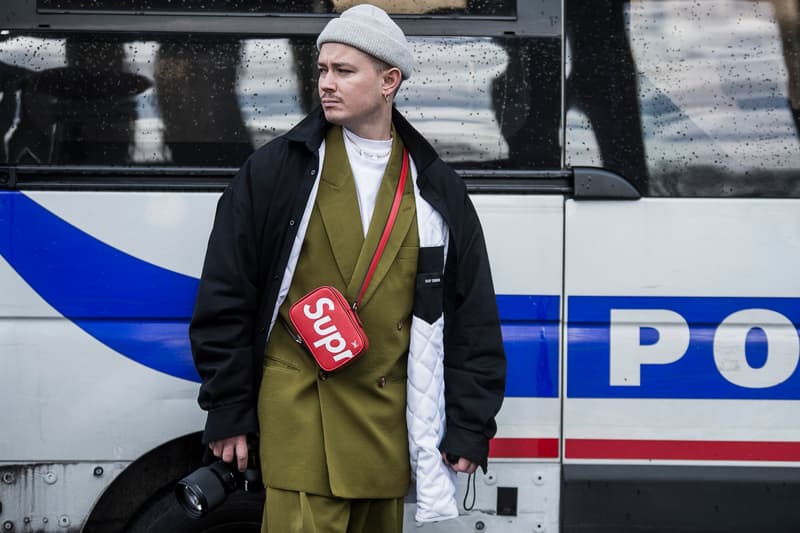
{"points": [[699, 450], [523, 448]]}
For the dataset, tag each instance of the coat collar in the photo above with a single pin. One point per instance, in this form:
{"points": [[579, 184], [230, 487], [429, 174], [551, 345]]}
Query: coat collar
{"points": [[312, 130]]}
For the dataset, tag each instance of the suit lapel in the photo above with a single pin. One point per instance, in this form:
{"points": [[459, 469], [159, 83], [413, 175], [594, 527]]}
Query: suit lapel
{"points": [[405, 217], [337, 196]]}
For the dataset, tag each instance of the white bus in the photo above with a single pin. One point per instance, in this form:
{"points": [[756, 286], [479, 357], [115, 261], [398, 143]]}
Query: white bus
{"points": [[636, 167]]}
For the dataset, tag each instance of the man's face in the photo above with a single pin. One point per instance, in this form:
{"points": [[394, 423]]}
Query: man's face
{"points": [[350, 87]]}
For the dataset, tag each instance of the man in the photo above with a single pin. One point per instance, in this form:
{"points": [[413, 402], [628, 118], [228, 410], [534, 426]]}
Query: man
{"points": [[338, 449]]}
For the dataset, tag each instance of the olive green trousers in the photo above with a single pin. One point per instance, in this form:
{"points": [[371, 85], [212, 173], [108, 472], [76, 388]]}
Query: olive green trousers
{"points": [[299, 512]]}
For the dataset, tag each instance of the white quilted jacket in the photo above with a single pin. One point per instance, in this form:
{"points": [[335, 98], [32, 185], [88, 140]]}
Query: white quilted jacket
{"points": [[425, 415]]}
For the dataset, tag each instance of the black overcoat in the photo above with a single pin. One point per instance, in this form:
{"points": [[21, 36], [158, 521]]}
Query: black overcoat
{"points": [[255, 225]]}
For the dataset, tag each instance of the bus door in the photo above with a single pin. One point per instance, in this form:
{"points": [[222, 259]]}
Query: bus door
{"points": [[682, 388]]}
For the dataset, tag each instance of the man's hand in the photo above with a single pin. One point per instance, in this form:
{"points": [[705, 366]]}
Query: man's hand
{"points": [[230, 449], [463, 464]]}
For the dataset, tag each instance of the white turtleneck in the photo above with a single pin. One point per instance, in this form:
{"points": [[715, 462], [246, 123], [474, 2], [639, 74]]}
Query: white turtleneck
{"points": [[368, 160]]}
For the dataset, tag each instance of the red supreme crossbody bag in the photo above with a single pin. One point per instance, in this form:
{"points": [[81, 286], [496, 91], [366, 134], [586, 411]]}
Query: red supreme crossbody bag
{"points": [[326, 324]]}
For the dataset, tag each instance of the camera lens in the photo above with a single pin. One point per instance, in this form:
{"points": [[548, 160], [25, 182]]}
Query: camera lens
{"points": [[205, 489], [194, 500], [191, 501]]}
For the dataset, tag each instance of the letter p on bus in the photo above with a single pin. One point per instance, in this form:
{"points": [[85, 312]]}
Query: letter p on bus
{"points": [[627, 351]]}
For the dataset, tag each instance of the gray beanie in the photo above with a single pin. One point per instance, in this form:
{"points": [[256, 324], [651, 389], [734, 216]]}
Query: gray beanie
{"points": [[372, 31]]}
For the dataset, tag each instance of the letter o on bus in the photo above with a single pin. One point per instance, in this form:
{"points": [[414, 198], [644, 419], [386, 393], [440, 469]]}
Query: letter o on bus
{"points": [[730, 351]]}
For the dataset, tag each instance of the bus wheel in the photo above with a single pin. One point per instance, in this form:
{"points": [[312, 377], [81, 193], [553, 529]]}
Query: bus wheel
{"points": [[241, 513]]}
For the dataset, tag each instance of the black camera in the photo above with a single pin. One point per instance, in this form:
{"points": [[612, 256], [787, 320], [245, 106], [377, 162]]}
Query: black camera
{"points": [[209, 486]]}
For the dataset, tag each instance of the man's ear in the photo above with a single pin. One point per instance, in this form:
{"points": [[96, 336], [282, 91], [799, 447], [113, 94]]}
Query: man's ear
{"points": [[391, 80]]}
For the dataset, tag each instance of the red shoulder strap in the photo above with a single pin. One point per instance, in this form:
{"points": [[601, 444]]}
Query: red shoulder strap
{"points": [[387, 230]]}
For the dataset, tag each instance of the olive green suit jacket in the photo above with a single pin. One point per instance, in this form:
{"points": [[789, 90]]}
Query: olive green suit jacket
{"points": [[344, 433]]}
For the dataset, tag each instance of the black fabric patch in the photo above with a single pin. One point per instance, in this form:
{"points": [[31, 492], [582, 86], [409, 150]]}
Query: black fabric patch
{"points": [[428, 297], [431, 259]]}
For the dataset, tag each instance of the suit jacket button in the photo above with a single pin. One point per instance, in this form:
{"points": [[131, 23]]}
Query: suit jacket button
{"points": [[382, 381], [323, 375]]}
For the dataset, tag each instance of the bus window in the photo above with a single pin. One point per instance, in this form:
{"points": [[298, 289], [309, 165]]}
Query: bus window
{"points": [[686, 99], [417, 7], [209, 101]]}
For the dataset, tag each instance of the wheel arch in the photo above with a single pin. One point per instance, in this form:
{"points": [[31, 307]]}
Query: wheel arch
{"points": [[142, 480]]}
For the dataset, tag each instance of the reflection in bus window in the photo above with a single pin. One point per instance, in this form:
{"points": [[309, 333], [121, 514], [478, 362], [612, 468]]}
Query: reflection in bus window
{"points": [[602, 84], [718, 98], [524, 98], [787, 14], [405, 7], [212, 101], [196, 98], [78, 113]]}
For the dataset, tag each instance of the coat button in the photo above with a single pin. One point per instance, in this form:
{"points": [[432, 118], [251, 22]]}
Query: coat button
{"points": [[314, 172], [291, 222], [323, 375], [382, 382]]}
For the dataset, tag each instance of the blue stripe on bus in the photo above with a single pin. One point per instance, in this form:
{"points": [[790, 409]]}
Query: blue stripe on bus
{"points": [[698, 373], [141, 310], [530, 335], [136, 308]]}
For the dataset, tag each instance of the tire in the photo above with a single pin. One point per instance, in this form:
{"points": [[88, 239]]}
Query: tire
{"points": [[240, 513]]}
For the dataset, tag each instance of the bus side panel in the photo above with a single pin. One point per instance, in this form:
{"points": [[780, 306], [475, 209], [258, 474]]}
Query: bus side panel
{"points": [[98, 289], [682, 346], [117, 297], [88, 292]]}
